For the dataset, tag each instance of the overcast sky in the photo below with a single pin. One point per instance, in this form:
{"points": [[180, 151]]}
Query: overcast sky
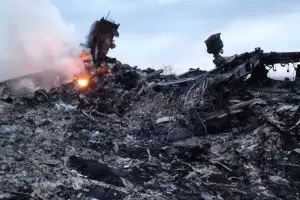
{"points": [[154, 33]]}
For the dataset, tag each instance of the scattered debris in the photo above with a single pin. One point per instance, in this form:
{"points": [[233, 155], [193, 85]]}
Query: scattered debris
{"points": [[140, 134], [165, 119]]}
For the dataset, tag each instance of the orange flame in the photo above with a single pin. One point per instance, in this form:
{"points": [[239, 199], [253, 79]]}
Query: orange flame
{"points": [[82, 80], [83, 83]]}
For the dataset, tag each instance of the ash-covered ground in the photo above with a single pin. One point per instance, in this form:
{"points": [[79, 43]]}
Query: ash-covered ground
{"points": [[134, 137]]}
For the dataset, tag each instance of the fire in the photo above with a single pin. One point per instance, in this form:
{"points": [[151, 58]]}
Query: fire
{"points": [[82, 80]]}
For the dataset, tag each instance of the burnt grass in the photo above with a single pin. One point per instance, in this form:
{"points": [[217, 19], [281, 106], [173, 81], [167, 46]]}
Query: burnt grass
{"points": [[109, 145]]}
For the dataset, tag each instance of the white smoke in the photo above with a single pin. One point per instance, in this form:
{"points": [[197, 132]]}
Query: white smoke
{"points": [[34, 37]]}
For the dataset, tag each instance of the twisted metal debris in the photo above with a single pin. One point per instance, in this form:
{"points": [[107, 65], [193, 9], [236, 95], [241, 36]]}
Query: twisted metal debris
{"points": [[144, 135]]}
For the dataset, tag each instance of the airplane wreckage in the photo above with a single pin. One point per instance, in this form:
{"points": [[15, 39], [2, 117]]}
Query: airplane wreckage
{"points": [[120, 132]]}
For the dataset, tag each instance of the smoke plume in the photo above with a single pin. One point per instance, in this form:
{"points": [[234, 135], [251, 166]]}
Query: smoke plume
{"points": [[34, 38]]}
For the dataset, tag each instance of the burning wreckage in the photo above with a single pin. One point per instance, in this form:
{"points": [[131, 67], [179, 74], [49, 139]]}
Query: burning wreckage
{"points": [[119, 132]]}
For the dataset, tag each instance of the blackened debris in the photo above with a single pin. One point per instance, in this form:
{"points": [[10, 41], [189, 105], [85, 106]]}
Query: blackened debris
{"points": [[140, 134], [95, 170]]}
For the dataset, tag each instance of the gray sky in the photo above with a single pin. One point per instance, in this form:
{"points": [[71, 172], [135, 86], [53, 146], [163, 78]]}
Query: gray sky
{"points": [[154, 33]]}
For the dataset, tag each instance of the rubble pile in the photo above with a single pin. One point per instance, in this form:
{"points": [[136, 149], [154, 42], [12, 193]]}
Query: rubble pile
{"points": [[142, 135], [119, 132]]}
